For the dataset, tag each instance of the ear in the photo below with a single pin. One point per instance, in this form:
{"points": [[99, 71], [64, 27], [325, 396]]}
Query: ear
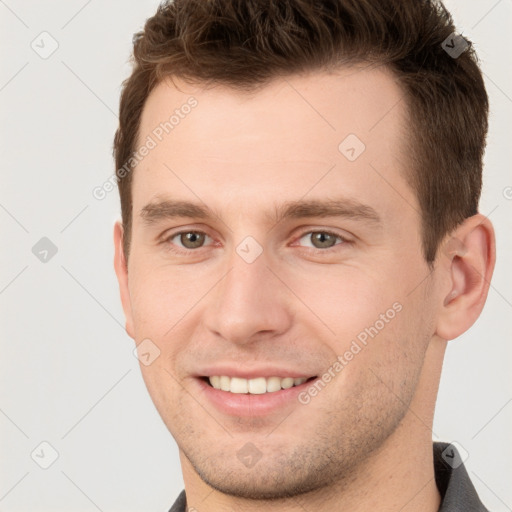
{"points": [[121, 267], [466, 260]]}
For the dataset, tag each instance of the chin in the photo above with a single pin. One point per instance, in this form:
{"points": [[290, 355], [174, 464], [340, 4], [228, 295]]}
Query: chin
{"points": [[272, 479], [259, 487]]}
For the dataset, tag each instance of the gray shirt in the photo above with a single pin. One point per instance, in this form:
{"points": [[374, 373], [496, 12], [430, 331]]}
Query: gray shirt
{"points": [[457, 491]]}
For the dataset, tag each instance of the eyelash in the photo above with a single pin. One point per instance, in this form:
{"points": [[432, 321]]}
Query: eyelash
{"points": [[318, 250], [183, 251], [179, 250]]}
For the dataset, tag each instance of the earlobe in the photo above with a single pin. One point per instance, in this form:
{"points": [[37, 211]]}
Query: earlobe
{"points": [[467, 259], [121, 268]]}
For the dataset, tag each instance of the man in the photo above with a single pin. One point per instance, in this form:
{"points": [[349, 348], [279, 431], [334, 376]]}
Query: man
{"points": [[300, 238]]}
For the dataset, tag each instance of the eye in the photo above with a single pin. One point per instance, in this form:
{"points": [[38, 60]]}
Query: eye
{"points": [[320, 239], [189, 239]]}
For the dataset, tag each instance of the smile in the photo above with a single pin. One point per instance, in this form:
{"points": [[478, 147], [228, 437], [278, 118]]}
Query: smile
{"points": [[256, 386]]}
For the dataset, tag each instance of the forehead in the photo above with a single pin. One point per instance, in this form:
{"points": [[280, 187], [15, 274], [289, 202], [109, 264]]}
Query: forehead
{"points": [[298, 135]]}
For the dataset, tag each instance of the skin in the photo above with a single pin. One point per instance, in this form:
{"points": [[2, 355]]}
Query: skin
{"points": [[365, 440]]}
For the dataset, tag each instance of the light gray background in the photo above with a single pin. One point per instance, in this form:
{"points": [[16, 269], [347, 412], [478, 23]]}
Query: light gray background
{"points": [[67, 372]]}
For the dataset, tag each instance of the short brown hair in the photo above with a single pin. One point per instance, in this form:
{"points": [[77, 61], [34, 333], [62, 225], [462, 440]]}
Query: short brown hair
{"points": [[246, 43]]}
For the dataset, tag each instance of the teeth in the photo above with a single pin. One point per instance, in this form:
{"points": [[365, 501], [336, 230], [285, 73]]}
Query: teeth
{"points": [[273, 384], [224, 382], [215, 382], [256, 386], [239, 385], [287, 383]]}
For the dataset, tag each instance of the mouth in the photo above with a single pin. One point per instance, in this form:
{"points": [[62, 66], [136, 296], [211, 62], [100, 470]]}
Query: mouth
{"points": [[254, 394], [254, 386]]}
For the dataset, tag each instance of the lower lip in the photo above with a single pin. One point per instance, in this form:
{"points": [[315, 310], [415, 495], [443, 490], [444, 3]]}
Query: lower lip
{"points": [[246, 404]]}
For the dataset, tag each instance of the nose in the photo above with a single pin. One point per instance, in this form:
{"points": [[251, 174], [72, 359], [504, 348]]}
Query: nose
{"points": [[249, 304]]}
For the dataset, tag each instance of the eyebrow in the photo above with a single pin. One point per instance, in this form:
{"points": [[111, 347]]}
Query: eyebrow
{"points": [[343, 207], [168, 209]]}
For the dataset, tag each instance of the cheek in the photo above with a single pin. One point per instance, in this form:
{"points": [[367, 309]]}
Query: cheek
{"points": [[347, 300], [380, 366], [396, 352], [165, 391], [375, 322], [162, 296]]}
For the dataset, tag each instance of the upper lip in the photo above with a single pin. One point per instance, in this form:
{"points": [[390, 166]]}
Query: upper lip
{"points": [[252, 373]]}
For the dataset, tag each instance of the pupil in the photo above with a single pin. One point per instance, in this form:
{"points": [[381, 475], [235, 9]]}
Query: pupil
{"points": [[323, 240], [192, 240]]}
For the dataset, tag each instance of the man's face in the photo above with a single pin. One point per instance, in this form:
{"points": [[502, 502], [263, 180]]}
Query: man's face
{"points": [[268, 242]]}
